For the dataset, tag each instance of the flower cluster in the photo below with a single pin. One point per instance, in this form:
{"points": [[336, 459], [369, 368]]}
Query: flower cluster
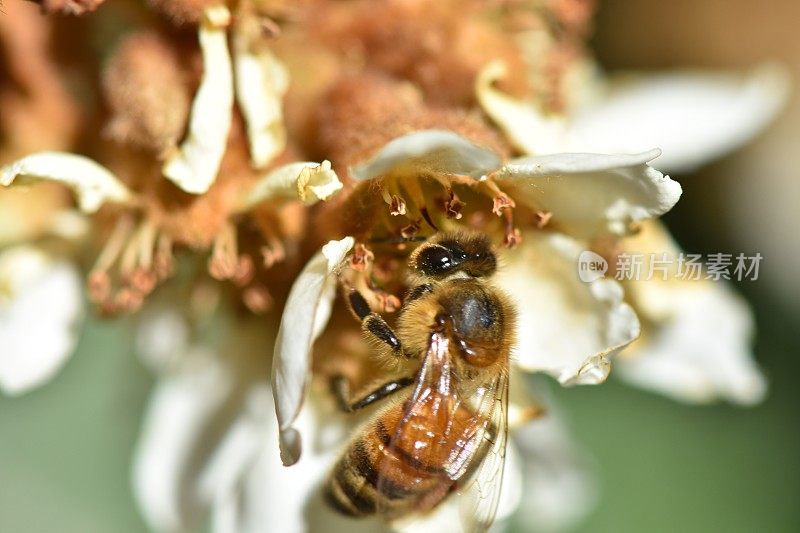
{"points": [[241, 160]]}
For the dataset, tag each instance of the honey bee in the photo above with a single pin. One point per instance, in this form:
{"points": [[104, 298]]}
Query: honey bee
{"points": [[447, 433]]}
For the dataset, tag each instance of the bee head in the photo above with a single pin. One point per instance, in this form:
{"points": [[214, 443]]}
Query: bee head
{"points": [[449, 253]]}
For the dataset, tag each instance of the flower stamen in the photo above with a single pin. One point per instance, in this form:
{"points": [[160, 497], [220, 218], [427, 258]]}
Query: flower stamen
{"points": [[513, 236], [138, 253], [224, 262], [99, 280], [397, 206], [410, 231], [453, 205], [362, 258], [163, 263], [543, 218], [257, 299], [114, 245]]}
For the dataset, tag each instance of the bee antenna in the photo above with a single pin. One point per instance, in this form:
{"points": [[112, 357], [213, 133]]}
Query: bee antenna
{"points": [[427, 216]]}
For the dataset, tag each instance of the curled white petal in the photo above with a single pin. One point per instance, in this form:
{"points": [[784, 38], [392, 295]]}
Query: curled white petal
{"points": [[697, 335], [41, 305], [591, 194], [694, 117], [566, 327], [309, 182], [261, 82], [305, 315], [194, 166], [180, 410], [93, 183], [436, 151]]}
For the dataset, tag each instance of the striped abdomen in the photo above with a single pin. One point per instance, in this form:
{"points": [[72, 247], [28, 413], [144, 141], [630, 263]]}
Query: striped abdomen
{"points": [[397, 473]]}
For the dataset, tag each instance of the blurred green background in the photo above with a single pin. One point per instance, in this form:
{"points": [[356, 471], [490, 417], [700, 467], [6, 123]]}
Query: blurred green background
{"points": [[65, 450]]}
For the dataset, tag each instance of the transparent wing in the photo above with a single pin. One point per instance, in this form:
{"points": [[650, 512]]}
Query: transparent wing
{"points": [[480, 494], [447, 437], [419, 437]]}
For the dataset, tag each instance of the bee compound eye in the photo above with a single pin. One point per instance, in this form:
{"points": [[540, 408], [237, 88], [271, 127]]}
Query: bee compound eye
{"points": [[441, 259], [435, 260]]}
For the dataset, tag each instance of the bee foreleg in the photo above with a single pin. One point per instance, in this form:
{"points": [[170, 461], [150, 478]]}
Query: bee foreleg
{"points": [[418, 292], [373, 323], [341, 390]]}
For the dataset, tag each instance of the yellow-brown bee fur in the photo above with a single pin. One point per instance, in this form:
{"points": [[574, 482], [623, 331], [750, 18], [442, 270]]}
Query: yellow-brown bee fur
{"points": [[451, 295]]}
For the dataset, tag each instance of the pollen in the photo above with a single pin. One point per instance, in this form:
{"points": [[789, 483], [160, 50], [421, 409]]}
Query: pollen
{"points": [[148, 90]]}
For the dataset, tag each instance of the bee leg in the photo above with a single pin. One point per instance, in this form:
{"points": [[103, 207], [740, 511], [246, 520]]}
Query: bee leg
{"points": [[418, 292], [374, 323], [341, 390]]}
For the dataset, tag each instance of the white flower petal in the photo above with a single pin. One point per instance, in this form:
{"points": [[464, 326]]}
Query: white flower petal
{"points": [[559, 488], [92, 183], [527, 128], [162, 339], [289, 499], [306, 181], [436, 151], [41, 305], [261, 82], [702, 355], [28, 214], [445, 517], [223, 477], [271, 496], [591, 194], [566, 327], [180, 410], [696, 338], [195, 165], [693, 117], [305, 315]]}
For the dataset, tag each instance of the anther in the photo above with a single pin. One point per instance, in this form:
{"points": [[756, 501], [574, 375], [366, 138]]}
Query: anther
{"points": [[245, 271], [397, 206], [389, 303], [543, 218], [502, 202], [224, 261], [273, 252], [512, 238], [163, 262], [410, 231], [362, 258], [98, 285], [257, 299], [453, 205], [143, 280], [512, 235], [128, 299]]}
